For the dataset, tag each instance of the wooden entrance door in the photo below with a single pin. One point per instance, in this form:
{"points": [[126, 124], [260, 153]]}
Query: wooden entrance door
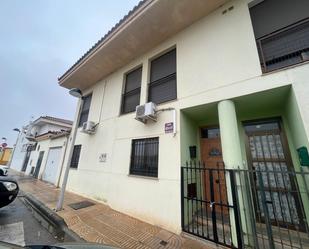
{"points": [[214, 176], [270, 160]]}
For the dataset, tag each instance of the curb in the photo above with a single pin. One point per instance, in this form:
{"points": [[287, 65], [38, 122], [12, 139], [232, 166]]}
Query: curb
{"points": [[49, 219]]}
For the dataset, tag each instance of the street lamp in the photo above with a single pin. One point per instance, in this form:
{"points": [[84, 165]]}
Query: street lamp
{"points": [[75, 92], [17, 130]]}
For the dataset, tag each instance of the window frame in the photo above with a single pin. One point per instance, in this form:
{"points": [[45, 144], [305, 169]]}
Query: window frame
{"points": [[76, 160], [135, 91], [164, 80], [147, 171], [84, 112]]}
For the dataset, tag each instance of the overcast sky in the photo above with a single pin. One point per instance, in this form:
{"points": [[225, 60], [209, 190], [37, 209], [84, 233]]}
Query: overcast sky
{"points": [[40, 40]]}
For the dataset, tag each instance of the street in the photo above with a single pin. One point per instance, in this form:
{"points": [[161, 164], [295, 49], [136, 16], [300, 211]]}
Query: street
{"points": [[18, 226]]}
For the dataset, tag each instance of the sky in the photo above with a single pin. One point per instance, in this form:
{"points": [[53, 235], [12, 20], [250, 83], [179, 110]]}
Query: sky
{"points": [[39, 41]]}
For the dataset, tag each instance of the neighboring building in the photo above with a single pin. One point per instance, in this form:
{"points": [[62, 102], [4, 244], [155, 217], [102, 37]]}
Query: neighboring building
{"points": [[232, 79], [41, 147], [5, 155]]}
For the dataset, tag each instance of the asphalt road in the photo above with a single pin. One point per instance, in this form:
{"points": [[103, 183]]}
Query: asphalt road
{"points": [[18, 226]]}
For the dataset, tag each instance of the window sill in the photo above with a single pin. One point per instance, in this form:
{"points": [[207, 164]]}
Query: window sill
{"points": [[126, 114], [285, 68], [166, 102], [144, 177]]}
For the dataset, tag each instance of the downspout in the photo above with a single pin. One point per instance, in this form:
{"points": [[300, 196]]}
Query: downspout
{"points": [[63, 159]]}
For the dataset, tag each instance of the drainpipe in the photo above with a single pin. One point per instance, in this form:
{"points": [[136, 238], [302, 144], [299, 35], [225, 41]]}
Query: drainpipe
{"points": [[174, 118]]}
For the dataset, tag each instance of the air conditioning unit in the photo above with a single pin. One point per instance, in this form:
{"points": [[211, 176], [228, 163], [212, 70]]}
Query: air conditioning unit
{"points": [[145, 112], [89, 127]]}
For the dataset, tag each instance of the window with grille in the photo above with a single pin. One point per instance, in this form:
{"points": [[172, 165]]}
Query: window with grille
{"points": [[75, 156], [144, 157], [162, 86], [132, 91], [85, 110], [282, 38]]}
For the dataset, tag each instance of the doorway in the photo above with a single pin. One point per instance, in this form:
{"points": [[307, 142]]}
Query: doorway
{"points": [[52, 165], [270, 161], [38, 164], [26, 160], [211, 155]]}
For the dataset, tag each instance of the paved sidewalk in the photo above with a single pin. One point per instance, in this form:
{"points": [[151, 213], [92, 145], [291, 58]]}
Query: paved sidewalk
{"points": [[101, 224]]}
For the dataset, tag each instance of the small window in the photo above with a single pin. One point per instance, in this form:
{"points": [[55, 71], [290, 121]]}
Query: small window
{"points": [[210, 133], [132, 91], [38, 148], [85, 110], [144, 157], [162, 86], [75, 156], [256, 127]]}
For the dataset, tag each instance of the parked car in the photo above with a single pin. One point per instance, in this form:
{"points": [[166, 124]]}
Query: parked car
{"points": [[8, 191], [3, 170]]}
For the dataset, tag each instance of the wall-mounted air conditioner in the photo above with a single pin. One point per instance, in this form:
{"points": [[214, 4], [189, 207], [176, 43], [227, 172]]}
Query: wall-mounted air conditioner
{"points": [[89, 127], [146, 112]]}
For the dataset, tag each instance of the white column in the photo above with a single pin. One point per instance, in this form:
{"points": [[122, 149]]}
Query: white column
{"points": [[232, 157], [230, 142]]}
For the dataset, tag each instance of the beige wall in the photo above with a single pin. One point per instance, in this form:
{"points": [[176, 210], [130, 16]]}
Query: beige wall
{"points": [[216, 59]]}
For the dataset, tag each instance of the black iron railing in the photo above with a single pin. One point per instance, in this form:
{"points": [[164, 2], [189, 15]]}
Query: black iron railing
{"points": [[285, 47], [266, 207]]}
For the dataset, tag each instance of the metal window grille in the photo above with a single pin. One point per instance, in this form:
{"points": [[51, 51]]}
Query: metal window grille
{"points": [[162, 86], [132, 90], [285, 47], [144, 157], [75, 156], [85, 110]]}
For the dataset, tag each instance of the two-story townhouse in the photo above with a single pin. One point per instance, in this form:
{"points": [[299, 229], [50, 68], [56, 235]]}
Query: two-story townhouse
{"points": [[230, 84], [41, 147]]}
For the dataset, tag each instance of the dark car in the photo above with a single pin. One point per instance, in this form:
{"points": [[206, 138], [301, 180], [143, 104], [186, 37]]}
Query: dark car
{"points": [[8, 191]]}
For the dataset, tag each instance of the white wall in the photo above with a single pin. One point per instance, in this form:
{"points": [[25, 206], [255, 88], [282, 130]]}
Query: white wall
{"points": [[46, 145], [216, 59], [19, 154]]}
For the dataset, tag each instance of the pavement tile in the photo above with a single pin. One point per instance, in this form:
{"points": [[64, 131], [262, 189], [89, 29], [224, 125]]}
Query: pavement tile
{"points": [[101, 224]]}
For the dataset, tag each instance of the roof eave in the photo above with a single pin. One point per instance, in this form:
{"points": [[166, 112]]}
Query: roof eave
{"points": [[126, 42]]}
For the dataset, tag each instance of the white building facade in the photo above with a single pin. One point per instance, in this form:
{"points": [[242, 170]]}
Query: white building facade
{"points": [[40, 148], [231, 71]]}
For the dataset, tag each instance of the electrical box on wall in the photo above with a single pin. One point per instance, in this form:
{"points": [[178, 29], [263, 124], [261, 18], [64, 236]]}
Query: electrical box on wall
{"points": [[303, 156]]}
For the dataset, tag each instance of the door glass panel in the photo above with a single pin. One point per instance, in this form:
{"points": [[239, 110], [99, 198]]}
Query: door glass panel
{"points": [[261, 127], [269, 162]]}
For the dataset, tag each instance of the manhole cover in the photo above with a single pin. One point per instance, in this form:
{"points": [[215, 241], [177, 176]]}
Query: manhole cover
{"points": [[82, 204]]}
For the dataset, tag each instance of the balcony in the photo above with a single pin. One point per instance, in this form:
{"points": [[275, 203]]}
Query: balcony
{"points": [[285, 47]]}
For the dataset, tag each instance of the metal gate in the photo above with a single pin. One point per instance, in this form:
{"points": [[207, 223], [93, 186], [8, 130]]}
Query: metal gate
{"points": [[239, 208], [207, 211]]}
